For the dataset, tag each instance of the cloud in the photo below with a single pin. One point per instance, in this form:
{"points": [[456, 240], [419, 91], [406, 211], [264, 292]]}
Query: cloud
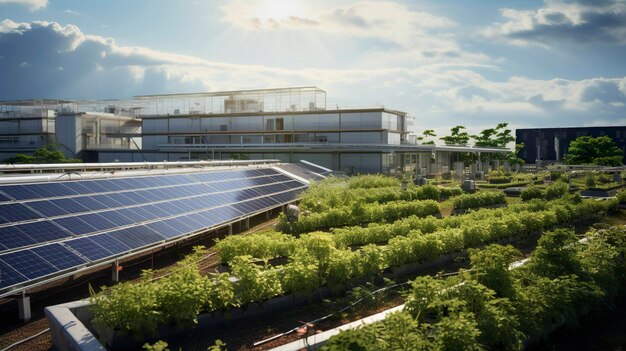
{"points": [[72, 12], [384, 20], [30, 4], [46, 59], [578, 21]]}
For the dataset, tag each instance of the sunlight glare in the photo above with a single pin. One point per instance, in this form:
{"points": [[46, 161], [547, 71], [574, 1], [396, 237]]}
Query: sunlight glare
{"points": [[278, 9]]}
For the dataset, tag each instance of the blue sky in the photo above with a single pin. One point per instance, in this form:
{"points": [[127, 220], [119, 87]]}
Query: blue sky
{"points": [[476, 63]]}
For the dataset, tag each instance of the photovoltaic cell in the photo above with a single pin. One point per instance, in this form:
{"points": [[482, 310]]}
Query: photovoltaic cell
{"points": [[28, 264], [4, 197], [47, 208], [9, 276], [12, 238], [43, 231], [113, 245], [75, 225], [58, 256], [16, 213], [88, 248]]}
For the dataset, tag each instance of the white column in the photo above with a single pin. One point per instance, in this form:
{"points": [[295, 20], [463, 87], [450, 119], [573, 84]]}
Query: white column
{"points": [[23, 306]]}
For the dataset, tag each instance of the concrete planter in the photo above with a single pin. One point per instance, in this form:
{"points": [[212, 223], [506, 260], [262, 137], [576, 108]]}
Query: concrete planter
{"points": [[599, 193], [123, 340], [72, 328]]}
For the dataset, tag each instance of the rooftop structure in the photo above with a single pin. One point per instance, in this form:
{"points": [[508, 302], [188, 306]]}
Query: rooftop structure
{"points": [[543, 145], [230, 102]]}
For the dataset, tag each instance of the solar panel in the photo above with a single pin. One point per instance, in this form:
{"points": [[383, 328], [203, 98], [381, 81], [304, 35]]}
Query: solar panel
{"points": [[28, 263], [9, 276], [12, 238], [113, 245], [88, 248], [58, 256], [16, 213], [73, 223], [42, 231]]}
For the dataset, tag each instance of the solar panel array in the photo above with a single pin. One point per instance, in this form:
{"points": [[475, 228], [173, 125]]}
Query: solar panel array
{"points": [[48, 228]]}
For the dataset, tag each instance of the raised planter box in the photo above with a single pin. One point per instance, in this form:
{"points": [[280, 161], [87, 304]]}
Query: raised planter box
{"points": [[72, 328], [599, 193]]}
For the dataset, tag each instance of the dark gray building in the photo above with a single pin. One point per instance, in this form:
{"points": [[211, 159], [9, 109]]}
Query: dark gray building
{"points": [[551, 144]]}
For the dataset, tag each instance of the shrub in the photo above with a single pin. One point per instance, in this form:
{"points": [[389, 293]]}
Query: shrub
{"points": [[532, 192], [483, 198]]}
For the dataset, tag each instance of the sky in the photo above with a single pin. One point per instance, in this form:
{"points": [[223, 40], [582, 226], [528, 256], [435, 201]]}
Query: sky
{"points": [[531, 63]]}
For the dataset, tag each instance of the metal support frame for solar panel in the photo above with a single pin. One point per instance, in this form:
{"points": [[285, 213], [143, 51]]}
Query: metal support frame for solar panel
{"points": [[89, 264]]}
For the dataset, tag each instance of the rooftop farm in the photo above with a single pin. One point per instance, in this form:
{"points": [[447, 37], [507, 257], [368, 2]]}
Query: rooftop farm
{"points": [[374, 231]]}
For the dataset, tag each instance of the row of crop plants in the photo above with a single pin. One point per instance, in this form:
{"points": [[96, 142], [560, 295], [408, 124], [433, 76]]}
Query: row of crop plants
{"points": [[320, 213], [314, 261], [268, 245], [333, 193], [492, 307]]}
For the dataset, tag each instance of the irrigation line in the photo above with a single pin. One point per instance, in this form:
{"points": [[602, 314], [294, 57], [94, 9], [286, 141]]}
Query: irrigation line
{"points": [[313, 322], [25, 340]]}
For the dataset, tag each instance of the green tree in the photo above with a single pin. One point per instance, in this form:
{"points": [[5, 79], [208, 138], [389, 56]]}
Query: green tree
{"points": [[513, 157], [458, 136], [46, 154], [499, 136], [589, 150], [427, 135]]}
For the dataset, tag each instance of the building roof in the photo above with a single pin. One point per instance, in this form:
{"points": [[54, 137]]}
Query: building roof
{"points": [[235, 92], [34, 102]]}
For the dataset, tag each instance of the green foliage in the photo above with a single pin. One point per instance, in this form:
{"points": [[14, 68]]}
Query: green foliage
{"points": [[157, 346], [301, 275], [456, 137], [322, 196], [263, 245], [621, 196], [479, 199], [46, 154], [323, 259], [499, 136], [551, 192], [464, 313], [513, 157], [255, 283], [372, 181], [599, 151], [555, 254], [490, 267], [178, 298], [218, 346], [531, 192], [133, 307], [358, 213]]}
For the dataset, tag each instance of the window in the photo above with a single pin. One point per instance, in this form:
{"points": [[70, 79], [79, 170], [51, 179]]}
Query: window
{"points": [[8, 140], [269, 124], [223, 127]]}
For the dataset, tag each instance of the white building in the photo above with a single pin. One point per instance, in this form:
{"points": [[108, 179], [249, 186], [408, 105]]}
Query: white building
{"points": [[289, 124]]}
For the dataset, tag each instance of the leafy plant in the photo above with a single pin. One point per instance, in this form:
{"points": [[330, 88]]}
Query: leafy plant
{"points": [[479, 199]]}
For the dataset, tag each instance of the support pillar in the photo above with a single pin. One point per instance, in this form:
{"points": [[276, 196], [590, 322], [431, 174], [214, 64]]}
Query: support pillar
{"points": [[267, 215], [247, 222], [23, 307], [230, 229], [115, 272]]}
